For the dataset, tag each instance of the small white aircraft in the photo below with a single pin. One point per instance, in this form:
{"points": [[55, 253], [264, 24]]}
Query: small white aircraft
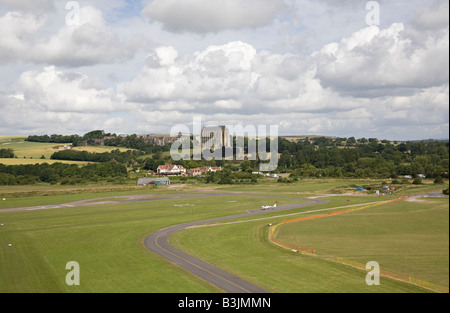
{"points": [[268, 207]]}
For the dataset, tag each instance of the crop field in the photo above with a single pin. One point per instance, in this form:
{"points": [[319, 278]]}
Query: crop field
{"points": [[31, 152], [108, 241]]}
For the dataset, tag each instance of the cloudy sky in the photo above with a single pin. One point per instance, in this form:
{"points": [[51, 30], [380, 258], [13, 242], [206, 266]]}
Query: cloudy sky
{"points": [[312, 67]]}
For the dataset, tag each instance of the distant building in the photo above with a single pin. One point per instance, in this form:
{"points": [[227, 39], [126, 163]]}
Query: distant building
{"points": [[216, 137], [171, 170], [199, 171], [154, 181], [161, 140]]}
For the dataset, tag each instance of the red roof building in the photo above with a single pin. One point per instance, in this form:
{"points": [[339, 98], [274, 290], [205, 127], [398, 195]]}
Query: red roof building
{"points": [[171, 170]]}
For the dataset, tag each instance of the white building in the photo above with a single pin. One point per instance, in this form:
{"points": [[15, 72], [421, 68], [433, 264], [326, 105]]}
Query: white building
{"points": [[171, 170]]}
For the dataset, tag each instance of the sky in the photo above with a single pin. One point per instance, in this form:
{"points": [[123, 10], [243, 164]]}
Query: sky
{"points": [[346, 68]]}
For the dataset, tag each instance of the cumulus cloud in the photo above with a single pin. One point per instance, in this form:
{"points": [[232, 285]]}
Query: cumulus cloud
{"points": [[218, 72], [388, 82], [90, 42], [58, 101], [53, 90], [18, 29], [205, 16], [376, 62]]}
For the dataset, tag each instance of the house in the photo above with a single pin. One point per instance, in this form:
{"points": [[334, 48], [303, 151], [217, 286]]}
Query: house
{"points": [[154, 181], [201, 170], [171, 170]]}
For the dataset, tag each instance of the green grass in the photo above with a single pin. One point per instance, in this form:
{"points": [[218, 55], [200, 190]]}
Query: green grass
{"points": [[244, 249], [331, 186], [107, 242], [405, 237]]}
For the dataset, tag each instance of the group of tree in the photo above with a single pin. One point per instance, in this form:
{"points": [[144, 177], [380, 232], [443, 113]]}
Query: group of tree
{"points": [[127, 157], [372, 159], [7, 154], [108, 139], [61, 173], [53, 138]]}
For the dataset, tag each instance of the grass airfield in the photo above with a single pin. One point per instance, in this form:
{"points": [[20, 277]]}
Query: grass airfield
{"points": [[107, 242]]}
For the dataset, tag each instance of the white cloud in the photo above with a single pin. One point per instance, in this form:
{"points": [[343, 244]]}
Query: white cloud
{"points": [[205, 16], [218, 72], [55, 91], [387, 82], [377, 62], [91, 42], [18, 29]]}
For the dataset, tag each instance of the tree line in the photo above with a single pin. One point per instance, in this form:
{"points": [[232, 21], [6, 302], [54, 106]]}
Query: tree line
{"points": [[61, 173], [372, 159], [127, 157], [108, 139]]}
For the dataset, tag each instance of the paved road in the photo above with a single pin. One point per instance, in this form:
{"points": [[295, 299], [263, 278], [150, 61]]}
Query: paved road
{"points": [[114, 200], [158, 243]]}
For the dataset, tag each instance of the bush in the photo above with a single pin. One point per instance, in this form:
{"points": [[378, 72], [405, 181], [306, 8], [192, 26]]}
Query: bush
{"points": [[417, 181], [439, 180], [7, 154]]}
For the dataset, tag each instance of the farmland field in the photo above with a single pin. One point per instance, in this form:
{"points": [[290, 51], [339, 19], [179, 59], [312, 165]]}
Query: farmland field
{"points": [[107, 242], [31, 152]]}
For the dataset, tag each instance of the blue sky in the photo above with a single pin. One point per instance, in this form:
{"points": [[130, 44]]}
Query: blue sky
{"points": [[312, 67]]}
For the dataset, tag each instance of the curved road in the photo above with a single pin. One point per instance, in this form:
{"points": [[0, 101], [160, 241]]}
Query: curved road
{"points": [[158, 243]]}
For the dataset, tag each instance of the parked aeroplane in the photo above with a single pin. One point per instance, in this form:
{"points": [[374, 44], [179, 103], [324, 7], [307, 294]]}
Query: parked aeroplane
{"points": [[268, 207]]}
